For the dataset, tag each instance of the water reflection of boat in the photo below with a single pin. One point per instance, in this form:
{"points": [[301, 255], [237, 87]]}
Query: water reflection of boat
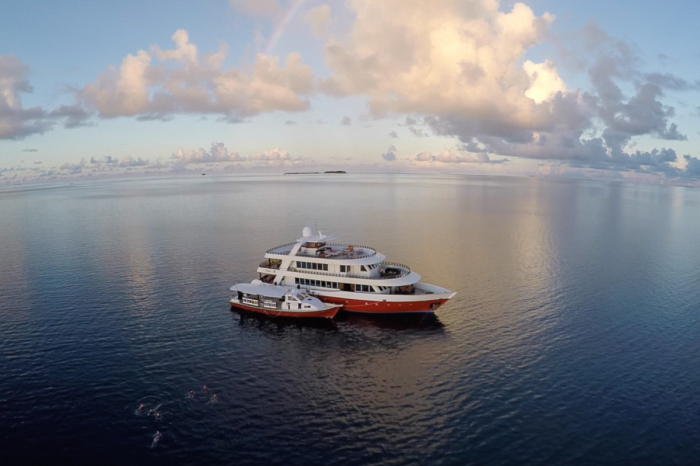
{"points": [[279, 301], [356, 277], [421, 322], [280, 325]]}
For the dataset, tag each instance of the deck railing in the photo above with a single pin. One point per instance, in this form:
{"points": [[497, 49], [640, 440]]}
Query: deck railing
{"points": [[342, 255], [269, 251]]}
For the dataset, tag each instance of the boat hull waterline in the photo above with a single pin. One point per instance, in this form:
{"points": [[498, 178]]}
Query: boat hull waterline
{"points": [[383, 307], [323, 314]]}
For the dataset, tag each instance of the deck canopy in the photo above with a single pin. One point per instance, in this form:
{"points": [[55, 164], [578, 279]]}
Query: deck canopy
{"points": [[264, 289]]}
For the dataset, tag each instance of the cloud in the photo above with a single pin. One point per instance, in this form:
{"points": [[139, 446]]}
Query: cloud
{"points": [[274, 155], [161, 83], [129, 161], [390, 154], [418, 132], [346, 121], [545, 82], [393, 134], [671, 82], [440, 57], [277, 157], [30, 150], [74, 168], [75, 116], [453, 157], [290, 122], [217, 153], [461, 69], [692, 165], [17, 122], [185, 52], [319, 19]]}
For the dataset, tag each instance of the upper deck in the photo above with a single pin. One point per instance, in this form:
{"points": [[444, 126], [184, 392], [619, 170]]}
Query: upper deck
{"points": [[326, 251]]}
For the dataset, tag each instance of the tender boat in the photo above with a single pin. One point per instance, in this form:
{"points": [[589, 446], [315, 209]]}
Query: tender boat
{"points": [[279, 301], [356, 277]]}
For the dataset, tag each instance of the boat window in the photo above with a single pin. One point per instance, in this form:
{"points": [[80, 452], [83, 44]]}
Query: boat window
{"points": [[344, 268], [363, 268]]}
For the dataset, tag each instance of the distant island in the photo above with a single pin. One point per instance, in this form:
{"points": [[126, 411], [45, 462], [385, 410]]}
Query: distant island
{"points": [[318, 173]]}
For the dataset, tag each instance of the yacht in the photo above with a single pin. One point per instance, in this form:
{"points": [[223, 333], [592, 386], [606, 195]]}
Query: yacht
{"points": [[279, 301], [358, 278]]}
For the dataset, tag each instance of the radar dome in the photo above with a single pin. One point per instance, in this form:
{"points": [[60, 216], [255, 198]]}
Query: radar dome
{"points": [[307, 232], [256, 282]]}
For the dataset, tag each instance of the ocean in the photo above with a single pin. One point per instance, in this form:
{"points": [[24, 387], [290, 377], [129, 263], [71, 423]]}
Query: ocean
{"points": [[574, 337]]}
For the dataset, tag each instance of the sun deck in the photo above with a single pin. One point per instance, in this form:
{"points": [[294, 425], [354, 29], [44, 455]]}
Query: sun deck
{"points": [[328, 251]]}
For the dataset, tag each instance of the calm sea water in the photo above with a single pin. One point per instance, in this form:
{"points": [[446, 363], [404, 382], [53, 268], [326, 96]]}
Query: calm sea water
{"points": [[574, 336]]}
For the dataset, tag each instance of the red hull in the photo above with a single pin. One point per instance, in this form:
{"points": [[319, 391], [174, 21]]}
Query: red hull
{"points": [[384, 307], [325, 314]]}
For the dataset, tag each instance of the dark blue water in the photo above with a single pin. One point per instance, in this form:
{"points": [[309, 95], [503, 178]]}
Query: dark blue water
{"points": [[574, 336]]}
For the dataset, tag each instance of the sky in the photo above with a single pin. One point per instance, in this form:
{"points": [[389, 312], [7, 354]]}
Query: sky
{"points": [[595, 89]]}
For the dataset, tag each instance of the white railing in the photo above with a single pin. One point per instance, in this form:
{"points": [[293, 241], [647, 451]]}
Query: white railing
{"points": [[270, 251]]}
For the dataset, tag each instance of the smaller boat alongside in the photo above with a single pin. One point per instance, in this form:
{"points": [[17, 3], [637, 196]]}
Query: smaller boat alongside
{"points": [[279, 301]]}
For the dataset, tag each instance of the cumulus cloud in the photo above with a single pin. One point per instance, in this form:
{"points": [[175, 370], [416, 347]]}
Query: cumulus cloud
{"points": [[440, 57], [217, 153], [692, 165], [319, 19], [390, 154], [74, 168], [161, 83], [184, 52], [277, 157], [346, 121], [17, 122], [273, 155], [129, 161], [461, 69]]}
